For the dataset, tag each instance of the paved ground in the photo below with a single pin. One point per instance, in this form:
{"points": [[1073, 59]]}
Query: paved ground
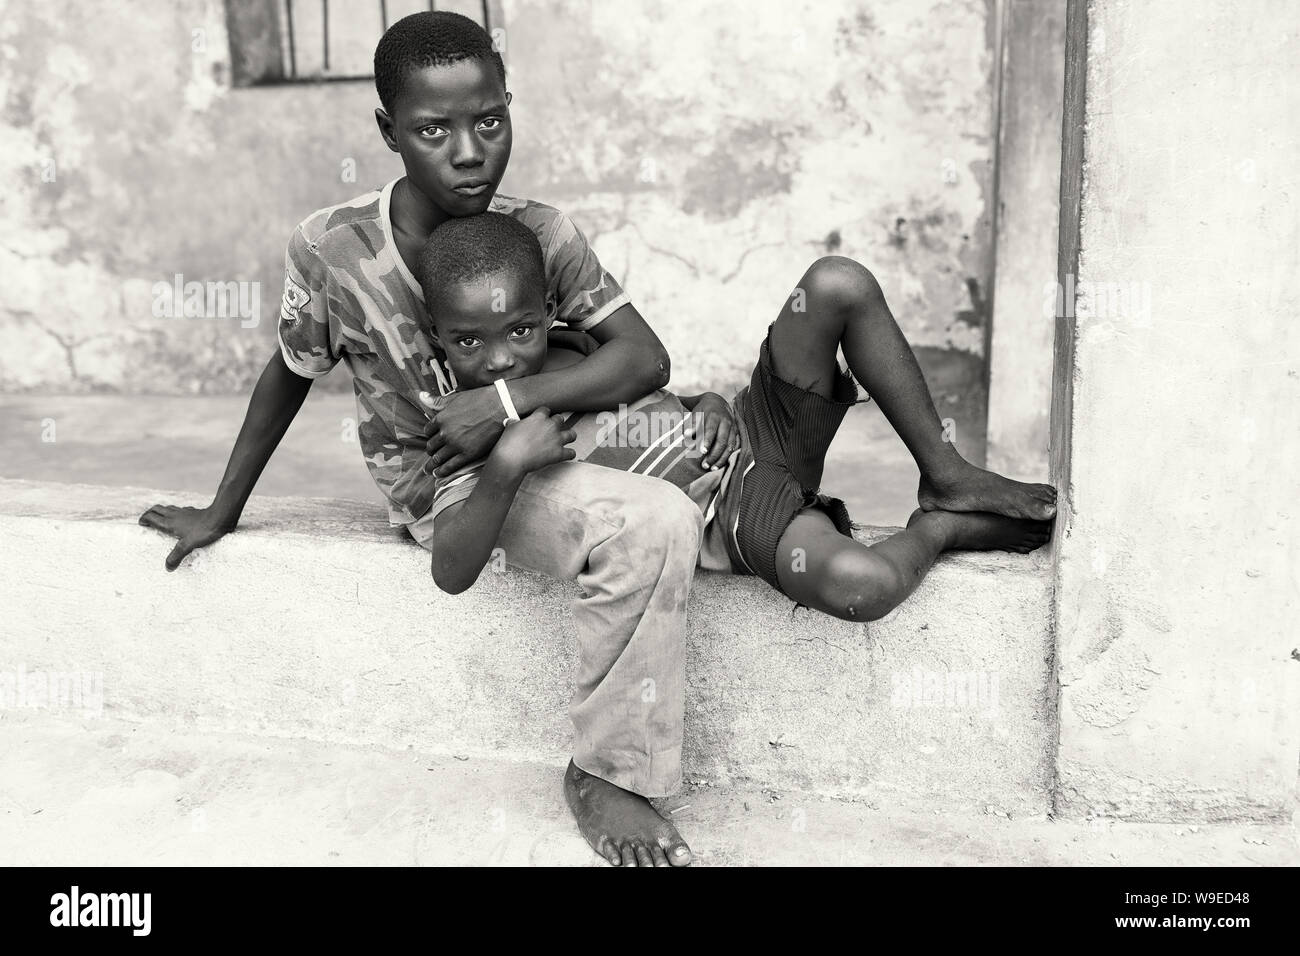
{"points": [[105, 792], [182, 443]]}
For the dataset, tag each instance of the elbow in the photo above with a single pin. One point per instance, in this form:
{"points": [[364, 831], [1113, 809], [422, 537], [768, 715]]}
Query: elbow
{"points": [[658, 370], [447, 580], [450, 585]]}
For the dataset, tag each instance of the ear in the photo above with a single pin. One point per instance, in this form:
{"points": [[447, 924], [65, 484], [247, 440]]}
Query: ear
{"points": [[509, 97], [387, 129], [552, 309]]}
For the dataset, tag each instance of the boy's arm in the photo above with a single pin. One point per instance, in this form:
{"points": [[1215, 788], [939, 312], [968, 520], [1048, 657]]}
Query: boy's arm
{"points": [[630, 362], [278, 396], [465, 533]]}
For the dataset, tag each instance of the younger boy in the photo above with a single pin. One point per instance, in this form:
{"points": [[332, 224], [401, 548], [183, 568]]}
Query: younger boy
{"points": [[483, 282]]}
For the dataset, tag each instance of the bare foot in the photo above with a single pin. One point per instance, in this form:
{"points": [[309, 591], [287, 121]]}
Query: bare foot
{"points": [[620, 825], [981, 531], [969, 488]]}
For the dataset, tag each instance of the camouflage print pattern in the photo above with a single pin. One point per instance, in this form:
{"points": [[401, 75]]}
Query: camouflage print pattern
{"points": [[349, 296]]}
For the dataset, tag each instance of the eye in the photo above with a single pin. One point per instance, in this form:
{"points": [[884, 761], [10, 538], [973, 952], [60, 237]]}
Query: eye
{"points": [[491, 123], [432, 131], [521, 331], [468, 342]]}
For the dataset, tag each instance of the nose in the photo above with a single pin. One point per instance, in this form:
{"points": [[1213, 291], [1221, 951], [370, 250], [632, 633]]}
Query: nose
{"points": [[467, 151], [500, 360]]}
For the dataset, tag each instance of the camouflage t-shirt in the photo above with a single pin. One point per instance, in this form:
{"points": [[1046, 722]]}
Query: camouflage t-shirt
{"points": [[348, 295]]}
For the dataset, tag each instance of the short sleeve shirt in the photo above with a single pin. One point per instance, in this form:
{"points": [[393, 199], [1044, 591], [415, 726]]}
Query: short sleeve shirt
{"points": [[348, 296]]}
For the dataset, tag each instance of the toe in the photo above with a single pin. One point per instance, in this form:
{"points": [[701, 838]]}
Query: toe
{"points": [[679, 854], [659, 856], [643, 857], [629, 855], [609, 851]]}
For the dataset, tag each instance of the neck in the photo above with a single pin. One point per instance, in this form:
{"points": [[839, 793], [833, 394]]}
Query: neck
{"points": [[413, 212]]}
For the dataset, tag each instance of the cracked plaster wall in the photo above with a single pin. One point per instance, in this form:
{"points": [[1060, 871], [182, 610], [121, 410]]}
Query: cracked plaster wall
{"points": [[709, 151]]}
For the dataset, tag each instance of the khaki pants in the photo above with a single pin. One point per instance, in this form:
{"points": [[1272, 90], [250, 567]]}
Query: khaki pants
{"points": [[631, 542]]}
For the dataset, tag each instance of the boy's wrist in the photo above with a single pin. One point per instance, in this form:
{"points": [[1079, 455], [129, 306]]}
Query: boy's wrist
{"points": [[512, 413], [502, 468], [523, 391], [224, 512]]}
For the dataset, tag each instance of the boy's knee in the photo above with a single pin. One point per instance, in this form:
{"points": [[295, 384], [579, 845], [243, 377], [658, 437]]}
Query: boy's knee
{"points": [[840, 282], [860, 586]]}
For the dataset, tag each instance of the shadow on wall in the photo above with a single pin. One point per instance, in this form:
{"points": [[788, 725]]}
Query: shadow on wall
{"points": [[708, 159]]}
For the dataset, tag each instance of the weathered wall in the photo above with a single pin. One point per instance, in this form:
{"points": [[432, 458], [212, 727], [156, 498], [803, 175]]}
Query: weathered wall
{"points": [[716, 149], [1177, 552], [159, 168], [709, 150]]}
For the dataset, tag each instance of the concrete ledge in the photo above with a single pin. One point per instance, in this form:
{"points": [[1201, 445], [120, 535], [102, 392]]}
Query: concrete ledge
{"points": [[317, 620]]}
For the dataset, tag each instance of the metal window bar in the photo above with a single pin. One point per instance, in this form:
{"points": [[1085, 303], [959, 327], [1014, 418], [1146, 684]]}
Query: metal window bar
{"points": [[292, 42]]}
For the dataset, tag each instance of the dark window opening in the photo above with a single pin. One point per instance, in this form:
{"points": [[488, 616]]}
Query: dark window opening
{"points": [[314, 41]]}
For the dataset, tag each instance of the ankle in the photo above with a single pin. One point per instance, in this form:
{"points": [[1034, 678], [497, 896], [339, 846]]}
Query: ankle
{"points": [[940, 527], [947, 471]]}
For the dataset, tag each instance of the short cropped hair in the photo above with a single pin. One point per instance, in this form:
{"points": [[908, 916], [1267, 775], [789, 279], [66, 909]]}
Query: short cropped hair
{"points": [[471, 247], [422, 40]]}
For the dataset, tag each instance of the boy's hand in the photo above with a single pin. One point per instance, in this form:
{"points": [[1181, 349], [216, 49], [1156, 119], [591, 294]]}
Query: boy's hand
{"points": [[463, 429], [196, 528], [534, 442], [715, 426]]}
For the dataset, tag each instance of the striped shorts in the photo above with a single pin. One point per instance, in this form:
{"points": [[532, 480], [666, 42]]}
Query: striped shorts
{"points": [[789, 431]]}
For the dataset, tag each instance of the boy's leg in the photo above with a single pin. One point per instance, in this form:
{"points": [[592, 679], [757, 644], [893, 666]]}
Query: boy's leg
{"points": [[839, 304], [818, 566], [630, 542]]}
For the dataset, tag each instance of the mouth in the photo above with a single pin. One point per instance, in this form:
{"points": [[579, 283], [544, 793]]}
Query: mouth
{"points": [[472, 188], [518, 371]]}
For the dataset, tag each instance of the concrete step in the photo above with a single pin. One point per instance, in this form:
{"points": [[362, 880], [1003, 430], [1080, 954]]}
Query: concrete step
{"points": [[109, 439], [109, 792], [318, 621]]}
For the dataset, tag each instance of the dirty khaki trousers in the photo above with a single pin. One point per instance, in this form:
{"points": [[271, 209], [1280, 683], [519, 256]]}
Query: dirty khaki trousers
{"points": [[631, 544]]}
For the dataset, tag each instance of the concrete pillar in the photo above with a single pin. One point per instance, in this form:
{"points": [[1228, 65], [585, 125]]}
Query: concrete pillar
{"points": [[1174, 411], [1028, 186]]}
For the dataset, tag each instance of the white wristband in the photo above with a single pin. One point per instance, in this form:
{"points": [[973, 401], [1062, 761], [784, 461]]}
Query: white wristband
{"points": [[512, 413]]}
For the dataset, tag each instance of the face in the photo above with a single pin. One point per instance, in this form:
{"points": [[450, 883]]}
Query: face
{"points": [[451, 126], [491, 328]]}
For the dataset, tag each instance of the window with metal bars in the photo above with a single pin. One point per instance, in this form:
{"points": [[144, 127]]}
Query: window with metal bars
{"points": [[297, 41]]}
